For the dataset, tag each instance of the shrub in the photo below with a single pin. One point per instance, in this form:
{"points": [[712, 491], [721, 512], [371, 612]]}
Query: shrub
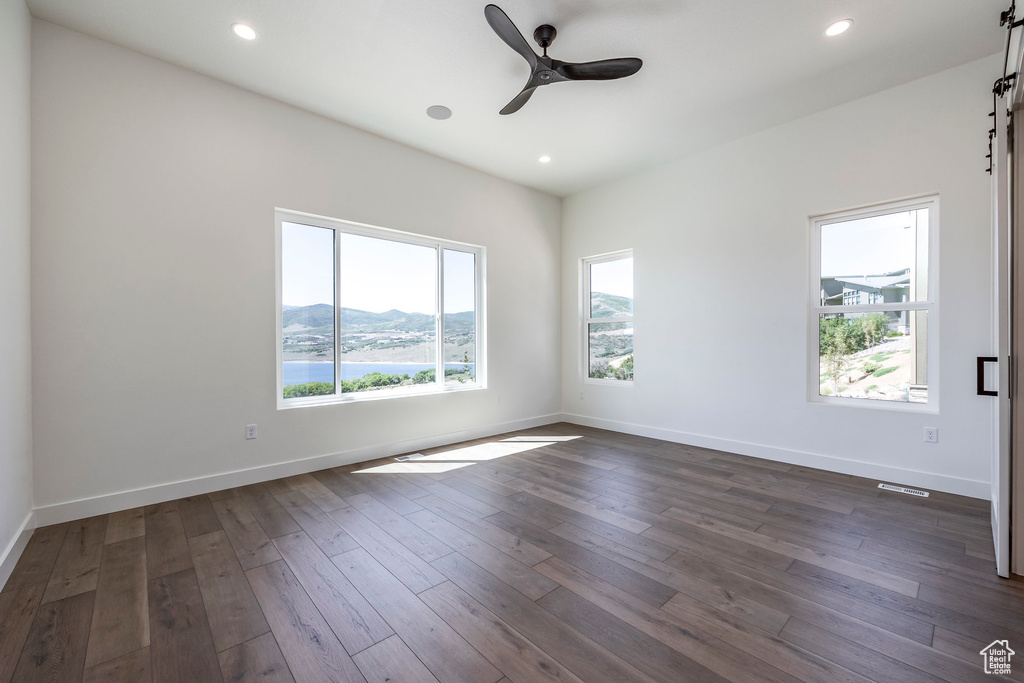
{"points": [[624, 371], [599, 369], [309, 389], [870, 368], [872, 387], [379, 379], [883, 371], [373, 380], [627, 364], [424, 376]]}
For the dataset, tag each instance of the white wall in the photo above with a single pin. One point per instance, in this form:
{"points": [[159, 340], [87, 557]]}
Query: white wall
{"points": [[153, 278], [15, 328], [721, 283]]}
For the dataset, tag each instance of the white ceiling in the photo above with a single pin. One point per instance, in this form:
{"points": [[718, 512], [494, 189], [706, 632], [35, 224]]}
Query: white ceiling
{"points": [[713, 70]]}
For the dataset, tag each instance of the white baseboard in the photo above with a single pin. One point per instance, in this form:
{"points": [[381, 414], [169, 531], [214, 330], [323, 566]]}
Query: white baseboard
{"points": [[896, 475], [124, 500], [12, 553]]}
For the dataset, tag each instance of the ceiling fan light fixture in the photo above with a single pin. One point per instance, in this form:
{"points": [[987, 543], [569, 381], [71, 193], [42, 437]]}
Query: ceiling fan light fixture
{"points": [[841, 26], [544, 159], [244, 31]]}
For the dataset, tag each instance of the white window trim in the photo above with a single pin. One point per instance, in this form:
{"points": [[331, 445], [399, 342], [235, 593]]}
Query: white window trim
{"points": [[930, 304], [585, 319], [282, 216]]}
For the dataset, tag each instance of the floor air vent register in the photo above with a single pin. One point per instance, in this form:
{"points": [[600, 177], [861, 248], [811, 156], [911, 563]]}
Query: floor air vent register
{"points": [[903, 489]]}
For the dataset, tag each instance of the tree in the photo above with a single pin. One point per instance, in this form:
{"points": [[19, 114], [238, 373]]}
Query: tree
{"points": [[836, 342], [875, 326]]}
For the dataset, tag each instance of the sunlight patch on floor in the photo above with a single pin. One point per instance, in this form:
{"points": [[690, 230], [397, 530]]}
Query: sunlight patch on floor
{"points": [[485, 451], [452, 459], [418, 467], [541, 438]]}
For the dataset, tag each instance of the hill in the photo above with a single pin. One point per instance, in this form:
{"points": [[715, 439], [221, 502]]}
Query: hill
{"points": [[317, 315], [320, 317], [608, 305]]}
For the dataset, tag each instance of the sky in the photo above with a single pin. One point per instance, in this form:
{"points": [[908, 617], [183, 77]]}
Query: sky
{"points": [[870, 246], [613, 277], [405, 281]]}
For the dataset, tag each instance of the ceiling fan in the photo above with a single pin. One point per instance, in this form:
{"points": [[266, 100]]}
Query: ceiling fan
{"points": [[546, 70]]}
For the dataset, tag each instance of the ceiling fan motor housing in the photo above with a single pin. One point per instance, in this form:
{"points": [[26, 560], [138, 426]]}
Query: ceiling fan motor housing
{"points": [[545, 35]]}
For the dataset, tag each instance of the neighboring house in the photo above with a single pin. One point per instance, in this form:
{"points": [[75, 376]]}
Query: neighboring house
{"points": [[856, 290], [884, 288]]}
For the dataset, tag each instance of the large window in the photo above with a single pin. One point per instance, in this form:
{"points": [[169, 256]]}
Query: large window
{"points": [[873, 305], [608, 317], [367, 312]]}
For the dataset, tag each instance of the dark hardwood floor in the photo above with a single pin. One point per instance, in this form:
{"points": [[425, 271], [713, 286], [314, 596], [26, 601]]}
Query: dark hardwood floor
{"points": [[560, 553]]}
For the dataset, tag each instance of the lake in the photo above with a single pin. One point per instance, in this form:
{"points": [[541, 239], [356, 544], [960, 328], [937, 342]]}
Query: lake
{"points": [[301, 372]]}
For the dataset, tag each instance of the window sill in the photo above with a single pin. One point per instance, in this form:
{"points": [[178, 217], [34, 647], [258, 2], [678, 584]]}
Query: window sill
{"points": [[609, 382], [363, 396], [874, 404]]}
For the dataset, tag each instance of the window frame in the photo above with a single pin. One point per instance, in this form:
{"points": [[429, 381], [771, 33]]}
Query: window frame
{"points": [[929, 304], [585, 319], [338, 225]]}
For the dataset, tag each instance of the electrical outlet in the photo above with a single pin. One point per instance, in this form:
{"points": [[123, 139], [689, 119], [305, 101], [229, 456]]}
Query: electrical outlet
{"points": [[250, 431], [581, 395], [931, 434]]}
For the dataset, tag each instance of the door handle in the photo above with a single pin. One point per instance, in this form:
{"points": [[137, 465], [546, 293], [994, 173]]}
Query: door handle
{"points": [[982, 391]]}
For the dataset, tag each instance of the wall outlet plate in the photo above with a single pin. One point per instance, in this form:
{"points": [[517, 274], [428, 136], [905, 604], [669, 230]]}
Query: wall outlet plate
{"points": [[931, 435], [250, 431]]}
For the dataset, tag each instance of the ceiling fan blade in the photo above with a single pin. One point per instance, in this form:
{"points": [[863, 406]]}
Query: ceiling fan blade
{"points": [[603, 70], [508, 32], [518, 101]]}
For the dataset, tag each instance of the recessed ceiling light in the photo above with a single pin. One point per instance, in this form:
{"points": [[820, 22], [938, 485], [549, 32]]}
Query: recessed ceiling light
{"points": [[439, 112], [838, 27], [544, 159], [244, 31]]}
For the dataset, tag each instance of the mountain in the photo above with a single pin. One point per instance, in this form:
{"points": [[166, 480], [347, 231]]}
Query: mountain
{"points": [[322, 316], [317, 315], [393, 314], [608, 305], [392, 336]]}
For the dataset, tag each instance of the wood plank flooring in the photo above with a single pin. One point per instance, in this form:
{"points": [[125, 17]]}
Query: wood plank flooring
{"points": [[560, 553]]}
